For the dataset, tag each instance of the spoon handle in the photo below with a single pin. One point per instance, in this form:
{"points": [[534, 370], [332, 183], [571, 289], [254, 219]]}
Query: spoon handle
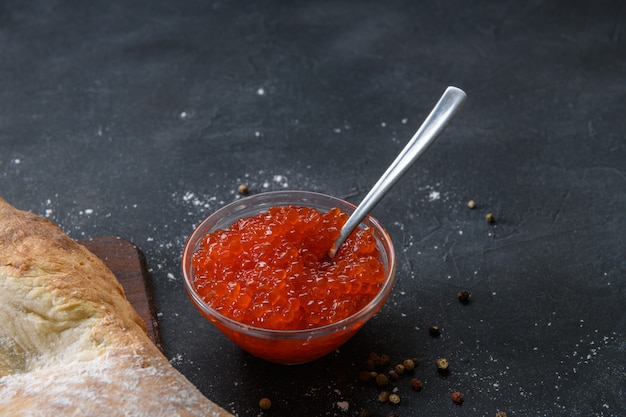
{"points": [[446, 108]]}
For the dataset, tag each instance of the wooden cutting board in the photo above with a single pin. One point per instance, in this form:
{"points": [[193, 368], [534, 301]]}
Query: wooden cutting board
{"points": [[128, 264]]}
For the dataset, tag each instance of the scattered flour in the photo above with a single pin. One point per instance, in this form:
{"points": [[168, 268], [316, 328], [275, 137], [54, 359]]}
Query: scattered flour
{"points": [[198, 201], [343, 405], [176, 359], [434, 195], [280, 180]]}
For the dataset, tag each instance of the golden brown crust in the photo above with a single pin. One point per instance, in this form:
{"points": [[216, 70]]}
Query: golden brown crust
{"points": [[70, 342]]}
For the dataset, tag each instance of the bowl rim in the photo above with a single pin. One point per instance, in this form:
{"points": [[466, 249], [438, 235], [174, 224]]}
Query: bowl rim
{"points": [[369, 309]]}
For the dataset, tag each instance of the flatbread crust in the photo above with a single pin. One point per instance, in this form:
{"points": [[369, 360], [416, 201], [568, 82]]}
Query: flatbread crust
{"points": [[70, 342]]}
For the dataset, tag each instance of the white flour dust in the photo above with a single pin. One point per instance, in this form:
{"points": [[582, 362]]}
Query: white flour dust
{"points": [[343, 405], [279, 180], [434, 195]]}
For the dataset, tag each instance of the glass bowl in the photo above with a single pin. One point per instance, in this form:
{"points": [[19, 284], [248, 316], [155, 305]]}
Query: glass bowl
{"points": [[287, 346]]}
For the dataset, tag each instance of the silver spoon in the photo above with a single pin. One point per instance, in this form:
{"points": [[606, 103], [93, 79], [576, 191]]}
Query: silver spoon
{"points": [[446, 108]]}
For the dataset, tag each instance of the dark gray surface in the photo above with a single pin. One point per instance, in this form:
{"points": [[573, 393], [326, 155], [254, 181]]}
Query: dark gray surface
{"points": [[139, 118]]}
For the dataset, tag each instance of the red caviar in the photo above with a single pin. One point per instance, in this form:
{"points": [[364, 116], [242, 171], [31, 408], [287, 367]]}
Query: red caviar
{"points": [[273, 271]]}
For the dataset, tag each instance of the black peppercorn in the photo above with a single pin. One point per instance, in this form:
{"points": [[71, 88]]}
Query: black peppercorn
{"points": [[463, 296], [265, 404], [383, 396], [365, 376], [442, 364], [457, 397], [417, 384], [243, 189], [382, 380], [434, 331], [409, 364]]}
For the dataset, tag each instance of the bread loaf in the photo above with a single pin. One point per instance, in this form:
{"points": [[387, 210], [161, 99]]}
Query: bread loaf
{"points": [[70, 342]]}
